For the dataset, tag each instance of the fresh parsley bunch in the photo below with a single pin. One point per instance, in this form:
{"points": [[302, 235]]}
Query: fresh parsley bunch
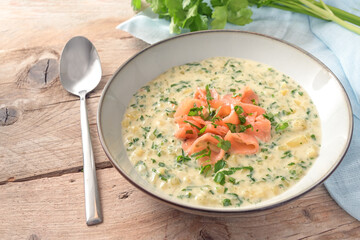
{"points": [[198, 15]]}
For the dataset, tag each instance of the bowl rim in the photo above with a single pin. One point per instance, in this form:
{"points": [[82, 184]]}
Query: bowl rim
{"points": [[195, 208]]}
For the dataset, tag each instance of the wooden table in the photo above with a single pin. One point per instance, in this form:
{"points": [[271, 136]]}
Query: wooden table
{"points": [[41, 183]]}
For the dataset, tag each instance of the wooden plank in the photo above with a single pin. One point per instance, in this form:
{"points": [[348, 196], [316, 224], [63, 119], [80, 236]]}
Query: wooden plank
{"points": [[17, 86], [40, 144], [41, 209], [46, 136], [46, 139], [45, 23]]}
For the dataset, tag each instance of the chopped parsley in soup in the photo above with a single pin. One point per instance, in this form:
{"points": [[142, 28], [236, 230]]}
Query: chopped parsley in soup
{"points": [[223, 132]]}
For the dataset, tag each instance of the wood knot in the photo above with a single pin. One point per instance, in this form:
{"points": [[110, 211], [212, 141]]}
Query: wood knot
{"points": [[214, 231], [204, 235], [307, 214], [34, 237], [125, 194], [8, 116], [44, 72]]}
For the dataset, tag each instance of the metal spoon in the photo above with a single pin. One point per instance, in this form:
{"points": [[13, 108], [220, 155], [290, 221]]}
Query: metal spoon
{"points": [[80, 73]]}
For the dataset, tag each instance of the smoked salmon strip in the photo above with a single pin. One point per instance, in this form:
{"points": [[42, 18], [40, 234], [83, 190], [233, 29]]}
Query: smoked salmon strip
{"points": [[218, 128], [235, 118], [200, 94], [187, 144], [245, 95], [224, 109], [229, 99], [248, 96], [186, 131], [261, 127], [195, 120], [232, 118], [215, 103], [247, 107], [185, 106], [250, 108], [207, 143], [242, 143]]}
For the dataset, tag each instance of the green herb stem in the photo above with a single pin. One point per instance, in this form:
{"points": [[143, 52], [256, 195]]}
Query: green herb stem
{"points": [[316, 9], [327, 13]]}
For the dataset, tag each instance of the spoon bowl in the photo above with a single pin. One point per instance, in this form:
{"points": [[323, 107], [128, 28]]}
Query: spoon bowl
{"points": [[80, 73], [80, 67]]}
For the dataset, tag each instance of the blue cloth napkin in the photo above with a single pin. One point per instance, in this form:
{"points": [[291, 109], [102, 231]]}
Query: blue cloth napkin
{"points": [[335, 46]]}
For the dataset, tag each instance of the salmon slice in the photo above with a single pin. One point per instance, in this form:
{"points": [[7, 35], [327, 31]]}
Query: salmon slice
{"points": [[248, 96], [248, 108], [218, 128], [232, 118], [187, 144], [229, 99], [242, 143], [194, 120], [214, 103], [225, 109], [204, 143], [261, 127], [201, 95], [186, 131], [185, 106]]}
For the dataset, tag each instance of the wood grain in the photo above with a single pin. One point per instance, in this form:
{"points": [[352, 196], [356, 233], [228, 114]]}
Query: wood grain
{"points": [[47, 23], [41, 186], [42, 208], [48, 115]]}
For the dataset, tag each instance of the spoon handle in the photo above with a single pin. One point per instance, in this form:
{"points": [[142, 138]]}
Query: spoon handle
{"points": [[92, 199]]}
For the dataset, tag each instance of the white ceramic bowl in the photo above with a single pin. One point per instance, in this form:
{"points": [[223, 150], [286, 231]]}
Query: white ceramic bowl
{"points": [[321, 84]]}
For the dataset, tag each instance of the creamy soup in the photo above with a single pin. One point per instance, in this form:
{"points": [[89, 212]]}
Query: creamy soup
{"points": [[236, 180]]}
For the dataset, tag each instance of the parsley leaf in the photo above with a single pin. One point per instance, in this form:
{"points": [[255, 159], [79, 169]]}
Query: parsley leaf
{"points": [[223, 144], [219, 165], [195, 111], [205, 169], [281, 126], [239, 16], [192, 125], [237, 198], [226, 202], [244, 127], [136, 4], [269, 116], [203, 153], [219, 178], [239, 110], [313, 137], [208, 93], [219, 16], [202, 130], [287, 154], [232, 127], [182, 158]]}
